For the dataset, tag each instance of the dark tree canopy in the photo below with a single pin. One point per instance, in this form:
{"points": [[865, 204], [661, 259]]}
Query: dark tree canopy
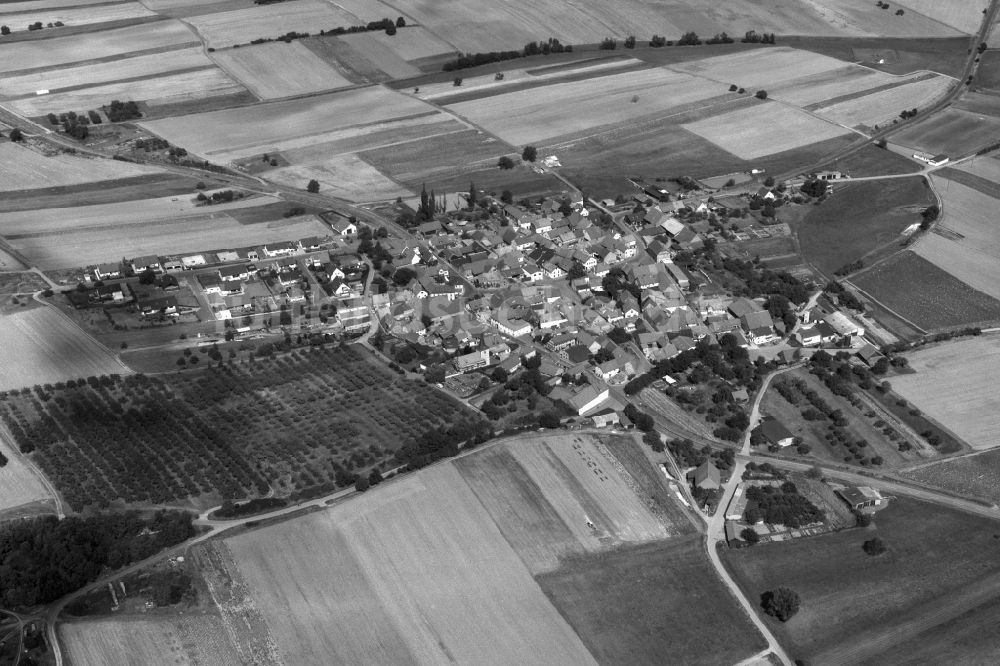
{"points": [[781, 603]]}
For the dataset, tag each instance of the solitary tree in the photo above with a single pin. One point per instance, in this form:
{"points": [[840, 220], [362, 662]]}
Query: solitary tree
{"points": [[507, 197], [505, 163], [749, 535], [781, 603], [761, 94], [400, 22], [4, 30], [548, 420], [313, 186], [529, 154], [16, 135], [874, 547]]}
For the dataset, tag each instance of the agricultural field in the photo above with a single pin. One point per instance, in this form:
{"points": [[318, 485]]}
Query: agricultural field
{"points": [[345, 59], [345, 176], [59, 51], [306, 420], [976, 475], [41, 346], [764, 129], [926, 295], [874, 161], [24, 169], [954, 132], [940, 565], [420, 574], [963, 15], [542, 493], [859, 218], [241, 26], [157, 91], [763, 68], [879, 108], [634, 605], [953, 385], [19, 485], [164, 641], [72, 16], [987, 103], [398, 55], [277, 69], [830, 84]]}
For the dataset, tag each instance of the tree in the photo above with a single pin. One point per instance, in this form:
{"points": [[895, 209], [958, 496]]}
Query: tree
{"points": [[457, 81], [529, 154], [147, 277], [16, 135], [313, 186], [577, 271], [472, 195], [4, 30], [505, 163], [781, 603], [874, 547], [761, 94], [548, 420], [362, 484], [749, 535], [630, 42], [400, 22], [507, 197], [390, 29], [733, 87]]}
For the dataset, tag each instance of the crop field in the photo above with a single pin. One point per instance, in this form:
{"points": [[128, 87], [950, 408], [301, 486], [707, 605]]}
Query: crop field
{"points": [[764, 68], [411, 572], [987, 103], [224, 136], [764, 129], [542, 493], [19, 485], [953, 384], [167, 89], [633, 605], [24, 169], [879, 108], [829, 84], [422, 160], [395, 55], [345, 59], [926, 295], [41, 346], [528, 116], [374, 136], [940, 564], [241, 26], [103, 13], [963, 15], [859, 218], [43, 5], [278, 69], [954, 132], [164, 641], [298, 422], [94, 45], [975, 475], [346, 176]]}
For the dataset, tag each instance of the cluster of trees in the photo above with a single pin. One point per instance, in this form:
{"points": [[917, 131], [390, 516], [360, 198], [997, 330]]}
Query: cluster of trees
{"points": [[16, 135], [844, 298], [688, 455], [726, 360], [443, 442], [781, 505], [752, 37], [43, 559], [781, 603], [222, 196], [467, 60], [119, 111], [814, 187], [230, 509], [907, 114], [526, 385], [386, 24], [642, 420], [762, 281], [928, 216]]}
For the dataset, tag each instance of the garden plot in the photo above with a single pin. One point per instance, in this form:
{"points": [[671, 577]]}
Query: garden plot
{"points": [[172, 88], [882, 107], [763, 68], [963, 15], [224, 29], [142, 66], [164, 641], [278, 69], [72, 16], [93, 45], [24, 169], [764, 129], [527, 116], [345, 176], [40, 346]]}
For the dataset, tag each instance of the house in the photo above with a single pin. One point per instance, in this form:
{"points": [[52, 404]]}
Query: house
{"points": [[281, 248], [844, 325], [809, 335], [774, 433], [236, 272], [863, 498], [706, 476], [339, 288], [344, 227], [738, 504], [210, 283], [869, 354], [106, 271], [605, 417], [476, 359], [758, 326], [679, 276], [150, 262], [311, 244]]}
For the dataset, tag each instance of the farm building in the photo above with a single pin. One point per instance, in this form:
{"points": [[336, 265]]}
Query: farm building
{"points": [[587, 399], [933, 160], [605, 417], [843, 324], [774, 432], [738, 504], [706, 476], [863, 498], [477, 359], [344, 227]]}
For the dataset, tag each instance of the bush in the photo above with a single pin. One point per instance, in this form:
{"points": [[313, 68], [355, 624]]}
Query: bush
{"points": [[874, 547]]}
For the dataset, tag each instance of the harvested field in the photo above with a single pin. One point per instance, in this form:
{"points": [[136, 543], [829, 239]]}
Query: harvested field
{"points": [[962, 262], [979, 173], [940, 564], [874, 161], [24, 169], [375, 136], [528, 116], [633, 606], [278, 69], [975, 475], [426, 577], [880, 108], [829, 84], [415, 162], [141, 66], [41, 346], [102, 192], [963, 15], [384, 59], [164, 641], [926, 295], [988, 74], [94, 45], [763, 129], [224, 136], [987, 103], [409, 43], [859, 218], [346, 176], [72, 16], [764, 68], [954, 385], [19, 485], [270, 21], [168, 89], [339, 55], [954, 132]]}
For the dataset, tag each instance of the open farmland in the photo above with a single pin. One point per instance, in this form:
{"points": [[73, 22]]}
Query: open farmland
{"points": [[19, 485], [278, 69], [345, 176], [103, 13], [954, 384], [163, 641], [345, 59], [635, 605], [976, 475], [94, 45], [763, 68], [241, 26], [300, 422], [859, 218], [963, 15], [224, 136], [830, 84], [167, 89], [398, 55], [879, 108], [24, 169], [926, 295], [939, 565], [422, 160], [41, 346], [374, 136], [527, 116], [954, 132], [411, 572], [763, 129]]}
